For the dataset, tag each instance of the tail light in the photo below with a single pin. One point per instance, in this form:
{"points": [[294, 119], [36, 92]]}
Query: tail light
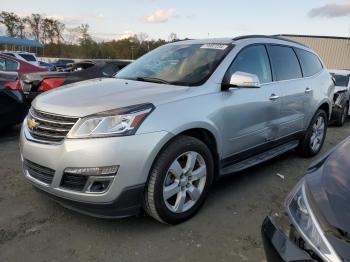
{"points": [[15, 85], [50, 83]]}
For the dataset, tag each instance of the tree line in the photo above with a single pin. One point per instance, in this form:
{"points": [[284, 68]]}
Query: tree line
{"points": [[61, 41]]}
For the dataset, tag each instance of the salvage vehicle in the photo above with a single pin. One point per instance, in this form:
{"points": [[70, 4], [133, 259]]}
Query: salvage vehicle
{"points": [[160, 132], [25, 56], [61, 64], [49, 66], [12, 106], [34, 84], [341, 98], [317, 224], [12, 64]]}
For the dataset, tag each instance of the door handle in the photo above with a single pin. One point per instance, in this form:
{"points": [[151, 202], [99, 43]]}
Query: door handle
{"points": [[273, 97], [308, 90]]}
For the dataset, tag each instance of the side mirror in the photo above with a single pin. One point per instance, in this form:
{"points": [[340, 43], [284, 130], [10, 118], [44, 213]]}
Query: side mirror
{"points": [[242, 79]]}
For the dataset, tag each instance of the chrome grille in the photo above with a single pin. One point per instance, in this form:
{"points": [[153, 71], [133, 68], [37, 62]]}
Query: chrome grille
{"points": [[41, 173], [49, 127]]}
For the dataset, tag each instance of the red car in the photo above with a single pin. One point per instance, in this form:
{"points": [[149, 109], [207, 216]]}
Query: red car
{"points": [[12, 64]]}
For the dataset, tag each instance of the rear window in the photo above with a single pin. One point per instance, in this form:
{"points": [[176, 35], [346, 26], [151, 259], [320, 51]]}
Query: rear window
{"points": [[310, 63], [341, 80], [285, 63], [28, 57]]}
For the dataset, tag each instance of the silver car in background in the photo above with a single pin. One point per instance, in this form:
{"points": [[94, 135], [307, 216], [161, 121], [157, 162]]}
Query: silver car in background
{"points": [[341, 97], [157, 135]]}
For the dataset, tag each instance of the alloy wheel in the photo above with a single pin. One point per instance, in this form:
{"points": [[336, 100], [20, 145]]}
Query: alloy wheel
{"points": [[184, 182], [318, 130]]}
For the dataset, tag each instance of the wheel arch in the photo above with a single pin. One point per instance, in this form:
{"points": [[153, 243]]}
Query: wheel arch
{"points": [[205, 135], [327, 107]]}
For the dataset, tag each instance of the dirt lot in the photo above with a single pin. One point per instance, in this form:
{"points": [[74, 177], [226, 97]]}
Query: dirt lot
{"points": [[33, 228]]}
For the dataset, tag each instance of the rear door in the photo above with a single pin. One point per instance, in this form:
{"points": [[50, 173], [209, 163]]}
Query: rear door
{"points": [[251, 114], [294, 89]]}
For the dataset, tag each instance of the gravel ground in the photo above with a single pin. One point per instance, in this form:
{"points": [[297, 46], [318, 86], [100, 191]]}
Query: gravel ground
{"points": [[33, 228]]}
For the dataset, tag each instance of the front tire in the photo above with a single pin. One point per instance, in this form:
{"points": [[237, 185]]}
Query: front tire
{"points": [[315, 135], [179, 181]]}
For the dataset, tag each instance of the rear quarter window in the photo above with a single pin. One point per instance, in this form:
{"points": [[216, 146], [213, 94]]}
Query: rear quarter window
{"points": [[310, 63], [284, 62]]}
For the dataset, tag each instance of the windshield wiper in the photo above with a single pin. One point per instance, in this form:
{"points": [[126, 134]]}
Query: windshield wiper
{"points": [[152, 79]]}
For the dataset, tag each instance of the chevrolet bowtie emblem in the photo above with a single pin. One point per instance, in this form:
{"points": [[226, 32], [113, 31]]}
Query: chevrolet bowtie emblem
{"points": [[32, 124]]}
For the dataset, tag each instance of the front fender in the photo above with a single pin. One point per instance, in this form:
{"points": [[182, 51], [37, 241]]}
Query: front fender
{"points": [[208, 126]]}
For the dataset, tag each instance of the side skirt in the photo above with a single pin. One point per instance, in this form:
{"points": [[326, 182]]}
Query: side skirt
{"points": [[259, 154]]}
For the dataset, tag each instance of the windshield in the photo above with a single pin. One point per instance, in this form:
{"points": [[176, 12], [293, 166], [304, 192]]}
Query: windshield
{"points": [[179, 64], [341, 80]]}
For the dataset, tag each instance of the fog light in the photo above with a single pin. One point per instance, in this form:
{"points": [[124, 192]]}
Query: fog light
{"points": [[99, 186], [92, 171]]}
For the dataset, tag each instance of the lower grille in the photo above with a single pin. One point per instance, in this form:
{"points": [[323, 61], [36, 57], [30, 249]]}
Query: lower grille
{"points": [[73, 182], [49, 127], [41, 173]]}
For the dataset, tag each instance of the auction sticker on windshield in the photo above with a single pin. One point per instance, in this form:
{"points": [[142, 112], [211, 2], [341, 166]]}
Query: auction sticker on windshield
{"points": [[214, 46]]}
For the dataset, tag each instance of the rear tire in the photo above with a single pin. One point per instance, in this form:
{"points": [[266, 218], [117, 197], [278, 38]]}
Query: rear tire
{"points": [[315, 135], [341, 117], [179, 181]]}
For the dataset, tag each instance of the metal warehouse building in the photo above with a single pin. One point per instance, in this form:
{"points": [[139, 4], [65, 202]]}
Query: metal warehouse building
{"points": [[334, 51]]}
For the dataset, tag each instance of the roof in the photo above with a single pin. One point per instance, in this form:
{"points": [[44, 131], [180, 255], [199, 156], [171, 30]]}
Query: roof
{"points": [[205, 41], [227, 41], [4, 40], [273, 37], [315, 36]]}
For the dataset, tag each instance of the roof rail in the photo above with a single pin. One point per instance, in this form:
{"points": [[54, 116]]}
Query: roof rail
{"points": [[276, 37]]}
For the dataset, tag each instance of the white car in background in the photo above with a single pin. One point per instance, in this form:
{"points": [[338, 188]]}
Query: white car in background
{"points": [[28, 57], [341, 96]]}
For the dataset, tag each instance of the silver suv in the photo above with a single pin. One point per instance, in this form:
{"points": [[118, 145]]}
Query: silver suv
{"points": [[157, 135]]}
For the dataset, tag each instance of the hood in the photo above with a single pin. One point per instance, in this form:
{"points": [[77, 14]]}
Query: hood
{"points": [[330, 187], [98, 95], [340, 89], [33, 77]]}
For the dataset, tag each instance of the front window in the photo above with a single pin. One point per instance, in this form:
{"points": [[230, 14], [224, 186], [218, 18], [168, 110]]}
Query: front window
{"points": [[252, 60], [341, 80], [177, 64]]}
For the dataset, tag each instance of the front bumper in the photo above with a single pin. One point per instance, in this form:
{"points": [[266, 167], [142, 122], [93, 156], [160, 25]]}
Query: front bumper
{"points": [[127, 204], [133, 154], [278, 246]]}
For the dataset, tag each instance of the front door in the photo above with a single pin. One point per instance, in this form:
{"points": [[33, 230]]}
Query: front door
{"points": [[251, 114]]}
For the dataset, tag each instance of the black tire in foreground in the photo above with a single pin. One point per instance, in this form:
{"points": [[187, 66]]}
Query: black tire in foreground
{"points": [[179, 181], [315, 135]]}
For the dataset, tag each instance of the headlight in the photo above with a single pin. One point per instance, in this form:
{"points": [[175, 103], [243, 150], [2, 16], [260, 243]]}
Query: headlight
{"points": [[119, 122], [306, 223]]}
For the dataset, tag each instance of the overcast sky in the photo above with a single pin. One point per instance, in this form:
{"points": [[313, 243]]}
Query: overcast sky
{"points": [[110, 19]]}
